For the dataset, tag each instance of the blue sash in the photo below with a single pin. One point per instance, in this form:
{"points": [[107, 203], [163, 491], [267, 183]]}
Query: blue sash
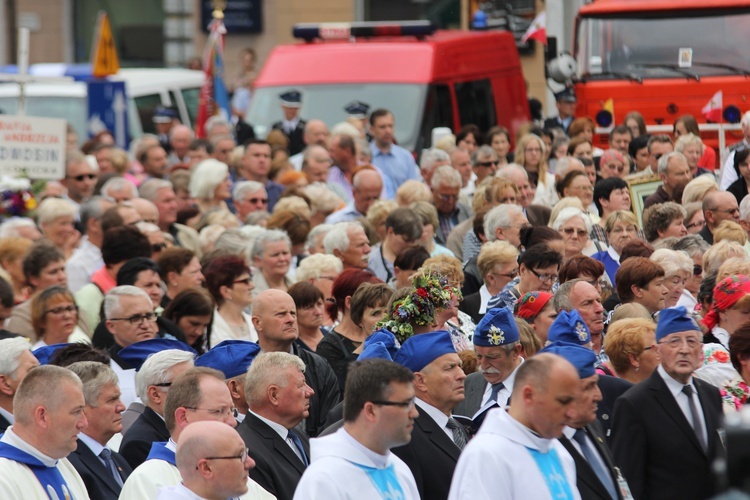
{"points": [[159, 451], [49, 477], [554, 475], [384, 481]]}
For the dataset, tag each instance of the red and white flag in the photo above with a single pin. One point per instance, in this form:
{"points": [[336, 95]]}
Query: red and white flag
{"points": [[712, 110], [537, 30]]}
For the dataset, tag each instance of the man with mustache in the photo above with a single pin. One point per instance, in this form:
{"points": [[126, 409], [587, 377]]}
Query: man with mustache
{"points": [[348, 242], [103, 471], [498, 349]]}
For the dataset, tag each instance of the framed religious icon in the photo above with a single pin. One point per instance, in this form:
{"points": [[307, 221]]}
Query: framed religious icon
{"points": [[640, 189]]}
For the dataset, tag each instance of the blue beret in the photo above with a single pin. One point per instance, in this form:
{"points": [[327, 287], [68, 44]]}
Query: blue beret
{"points": [[375, 350], [569, 327], [582, 358], [44, 353], [231, 357], [357, 109], [566, 95], [291, 99], [136, 354], [420, 350], [164, 115], [675, 319], [386, 338], [498, 327]]}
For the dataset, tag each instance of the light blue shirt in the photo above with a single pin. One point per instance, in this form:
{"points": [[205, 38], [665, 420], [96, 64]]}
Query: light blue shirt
{"points": [[397, 165], [346, 214]]}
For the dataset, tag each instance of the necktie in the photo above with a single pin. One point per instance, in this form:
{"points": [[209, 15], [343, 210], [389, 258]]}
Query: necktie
{"points": [[688, 391], [106, 455], [595, 462], [298, 444], [496, 388], [459, 434]]}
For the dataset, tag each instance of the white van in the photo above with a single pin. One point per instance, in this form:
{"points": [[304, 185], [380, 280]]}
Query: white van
{"points": [[147, 88]]}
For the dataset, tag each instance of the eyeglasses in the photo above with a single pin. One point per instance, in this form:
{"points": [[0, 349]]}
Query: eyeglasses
{"points": [[571, 231], [695, 224], [658, 155], [401, 404], [594, 283], [158, 247], [59, 311], [244, 281], [220, 412], [80, 178], [730, 211], [163, 384], [511, 275], [137, 319], [697, 270], [544, 277], [676, 342], [486, 164], [242, 456], [255, 201], [620, 230], [448, 197]]}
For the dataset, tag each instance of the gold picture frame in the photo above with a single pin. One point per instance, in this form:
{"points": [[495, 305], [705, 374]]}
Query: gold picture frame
{"points": [[640, 189]]}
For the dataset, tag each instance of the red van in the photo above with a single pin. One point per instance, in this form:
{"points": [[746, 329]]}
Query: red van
{"points": [[427, 79]]}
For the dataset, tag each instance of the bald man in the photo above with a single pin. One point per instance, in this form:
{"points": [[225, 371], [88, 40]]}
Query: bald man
{"points": [[180, 137], [367, 185], [147, 210], [315, 134], [275, 320], [213, 463]]}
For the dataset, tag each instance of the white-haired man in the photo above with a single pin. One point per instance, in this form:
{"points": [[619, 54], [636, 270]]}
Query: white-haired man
{"points": [[430, 161], [15, 362], [348, 241], [249, 197]]}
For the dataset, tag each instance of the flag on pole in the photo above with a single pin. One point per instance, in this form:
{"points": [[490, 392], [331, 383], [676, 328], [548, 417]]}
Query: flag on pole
{"points": [[712, 110], [214, 98], [537, 30]]}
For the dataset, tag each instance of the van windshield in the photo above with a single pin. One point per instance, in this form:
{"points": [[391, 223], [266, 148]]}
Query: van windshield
{"points": [[68, 108], [664, 47], [326, 102]]}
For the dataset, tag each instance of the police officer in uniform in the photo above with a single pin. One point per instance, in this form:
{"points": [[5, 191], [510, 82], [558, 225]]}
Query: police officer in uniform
{"points": [[292, 125]]}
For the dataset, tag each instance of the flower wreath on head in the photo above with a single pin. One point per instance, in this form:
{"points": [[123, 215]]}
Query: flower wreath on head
{"points": [[429, 293]]}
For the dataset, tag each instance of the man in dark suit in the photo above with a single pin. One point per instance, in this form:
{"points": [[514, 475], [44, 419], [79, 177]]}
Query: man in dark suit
{"points": [[664, 433], [612, 388], [15, 362], [496, 342], [154, 379], [565, 100], [583, 437], [279, 399], [292, 125], [437, 438], [103, 471]]}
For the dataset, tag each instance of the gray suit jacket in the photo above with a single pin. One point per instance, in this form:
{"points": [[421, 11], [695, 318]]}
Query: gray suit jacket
{"points": [[474, 387], [464, 212]]}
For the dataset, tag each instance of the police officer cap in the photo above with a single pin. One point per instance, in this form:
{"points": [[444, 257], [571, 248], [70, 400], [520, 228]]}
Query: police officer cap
{"points": [[566, 95], [498, 327], [420, 350], [163, 114], [44, 354], [136, 354], [582, 358], [231, 357], [291, 98], [569, 327], [673, 320], [357, 109]]}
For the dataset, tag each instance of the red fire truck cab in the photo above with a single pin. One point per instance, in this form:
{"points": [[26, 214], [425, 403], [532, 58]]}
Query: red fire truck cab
{"points": [[427, 80]]}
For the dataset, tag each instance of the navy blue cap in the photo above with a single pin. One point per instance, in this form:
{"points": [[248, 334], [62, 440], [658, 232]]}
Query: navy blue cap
{"points": [[291, 99], [44, 354], [498, 327], [136, 354], [582, 358], [163, 114], [357, 109], [569, 327], [566, 95], [673, 320], [420, 350], [231, 357]]}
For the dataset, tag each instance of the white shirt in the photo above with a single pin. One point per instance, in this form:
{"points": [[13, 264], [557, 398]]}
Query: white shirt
{"points": [[484, 296], [85, 261], [296, 161], [722, 336], [438, 416], [503, 395], [675, 388]]}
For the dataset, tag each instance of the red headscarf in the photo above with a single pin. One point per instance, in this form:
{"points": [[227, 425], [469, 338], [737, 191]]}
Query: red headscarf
{"points": [[531, 304], [727, 293]]}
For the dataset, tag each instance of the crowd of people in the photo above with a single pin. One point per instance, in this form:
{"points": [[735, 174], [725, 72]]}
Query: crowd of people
{"points": [[485, 323]]}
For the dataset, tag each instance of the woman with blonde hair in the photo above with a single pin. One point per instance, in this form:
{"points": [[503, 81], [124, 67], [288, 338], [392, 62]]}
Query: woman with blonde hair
{"points": [[698, 188], [378, 213], [694, 220], [12, 252], [691, 146], [629, 345], [531, 154]]}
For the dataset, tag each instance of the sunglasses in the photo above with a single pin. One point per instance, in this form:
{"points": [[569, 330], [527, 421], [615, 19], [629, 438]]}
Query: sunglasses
{"points": [[82, 177], [158, 247], [487, 164], [255, 201], [697, 270]]}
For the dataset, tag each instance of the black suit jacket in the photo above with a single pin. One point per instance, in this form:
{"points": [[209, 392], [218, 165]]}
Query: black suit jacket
{"points": [[589, 485], [4, 424], [470, 305], [296, 141], [707, 235], [147, 429], [320, 376], [655, 446], [277, 467], [555, 122], [431, 455], [98, 480], [612, 388]]}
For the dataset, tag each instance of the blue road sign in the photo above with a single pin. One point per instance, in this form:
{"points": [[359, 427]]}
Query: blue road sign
{"points": [[108, 110]]}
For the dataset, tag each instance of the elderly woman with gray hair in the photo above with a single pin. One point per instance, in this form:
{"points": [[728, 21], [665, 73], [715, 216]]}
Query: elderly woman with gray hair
{"points": [[694, 246], [210, 185], [271, 256], [574, 225], [678, 267]]}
